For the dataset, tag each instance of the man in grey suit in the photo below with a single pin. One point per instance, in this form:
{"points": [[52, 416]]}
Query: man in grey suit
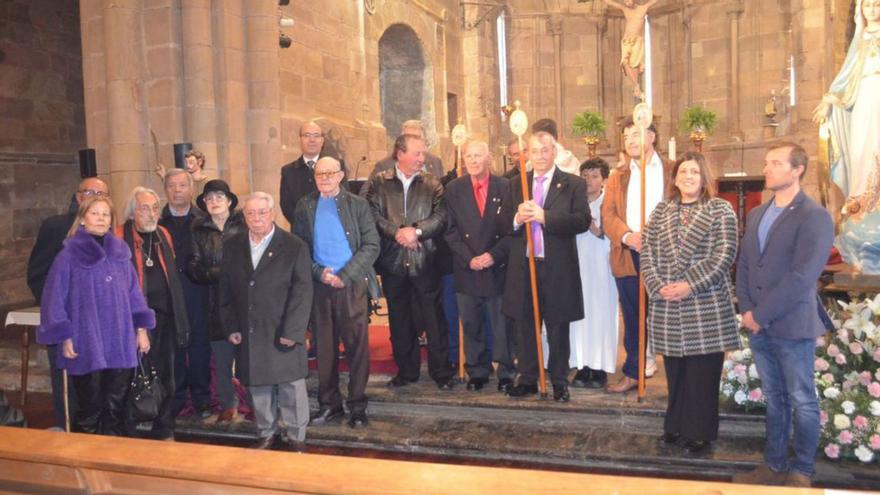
{"points": [[783, 251]]}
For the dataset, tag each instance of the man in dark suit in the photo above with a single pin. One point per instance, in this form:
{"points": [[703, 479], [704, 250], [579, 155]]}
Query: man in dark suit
{"points": [[265, 301], [298, 177], [783, 252], [52, 233], [432, 162], [479, 214], [557, 212]]}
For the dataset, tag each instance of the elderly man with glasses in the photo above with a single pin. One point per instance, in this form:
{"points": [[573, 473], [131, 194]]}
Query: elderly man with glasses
{"points": [[340, 230], [265, 303]]}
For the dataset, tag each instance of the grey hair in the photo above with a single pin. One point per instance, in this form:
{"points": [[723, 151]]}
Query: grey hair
{"points": [[171, 172], [132, 199], [412, 123], [270, 201], [481, 144], [331, 160]]}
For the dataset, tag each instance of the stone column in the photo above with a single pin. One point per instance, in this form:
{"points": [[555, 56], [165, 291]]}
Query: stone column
{"points": [[91, 17], [554, 27], [264, 97], [200, 116], [733, 106], [126, 117], [233, 155]]}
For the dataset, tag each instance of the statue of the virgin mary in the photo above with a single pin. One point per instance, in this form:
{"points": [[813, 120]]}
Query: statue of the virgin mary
{"points": [[851, 109]]}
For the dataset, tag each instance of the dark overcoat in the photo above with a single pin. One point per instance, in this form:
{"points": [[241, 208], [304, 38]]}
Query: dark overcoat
{"points": [[705, 321], [267, 303], [566, 214]]}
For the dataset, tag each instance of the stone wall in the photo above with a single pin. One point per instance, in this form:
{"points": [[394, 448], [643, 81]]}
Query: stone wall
{"points": [[41, 127]]}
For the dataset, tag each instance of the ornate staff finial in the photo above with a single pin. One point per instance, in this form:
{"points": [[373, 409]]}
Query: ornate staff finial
{"points": [[519, 122]]}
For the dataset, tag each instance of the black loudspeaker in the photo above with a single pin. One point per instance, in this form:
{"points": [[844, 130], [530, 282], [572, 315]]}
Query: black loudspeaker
{"points": [[180, 150], [88, 165]]}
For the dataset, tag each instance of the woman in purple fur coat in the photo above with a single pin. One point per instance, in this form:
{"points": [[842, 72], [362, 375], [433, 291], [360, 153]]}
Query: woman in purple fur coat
{"points": [[93, 309]]}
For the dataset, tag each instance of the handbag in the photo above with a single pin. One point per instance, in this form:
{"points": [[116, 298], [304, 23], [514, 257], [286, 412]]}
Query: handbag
{"points": [[145, 394]]}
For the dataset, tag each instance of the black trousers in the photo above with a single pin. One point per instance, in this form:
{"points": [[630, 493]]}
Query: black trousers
{"points": [[557, 337], [101, 399], [161, 356], [403, 294], [192, 370], [341, 314], [478, 356], [693, 381]]}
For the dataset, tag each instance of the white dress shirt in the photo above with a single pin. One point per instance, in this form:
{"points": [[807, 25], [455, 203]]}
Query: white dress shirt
{"points": [[653, 191], [259, 248], [406, 183]]}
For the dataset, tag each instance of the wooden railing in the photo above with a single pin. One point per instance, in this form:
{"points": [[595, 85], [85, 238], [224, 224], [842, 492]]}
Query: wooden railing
{"points": [[38, 461]]}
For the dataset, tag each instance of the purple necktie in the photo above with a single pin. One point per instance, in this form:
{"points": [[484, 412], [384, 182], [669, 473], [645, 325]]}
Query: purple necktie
{"points": [[537, 231]]}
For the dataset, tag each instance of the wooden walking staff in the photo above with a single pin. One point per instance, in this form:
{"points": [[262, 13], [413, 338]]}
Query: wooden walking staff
{"points": [[643, 115], [459, 136], [519, 123], [66, 403]]}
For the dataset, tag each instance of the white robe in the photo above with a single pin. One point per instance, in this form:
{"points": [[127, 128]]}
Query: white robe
{"points": [[594, 339]]}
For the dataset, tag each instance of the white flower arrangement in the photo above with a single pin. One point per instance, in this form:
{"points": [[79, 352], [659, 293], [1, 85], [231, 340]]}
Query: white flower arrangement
{"points": [[847, 368]]}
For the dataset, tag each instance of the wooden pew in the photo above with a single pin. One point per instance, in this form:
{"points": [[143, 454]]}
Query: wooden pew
{"points": [[38, 461]]}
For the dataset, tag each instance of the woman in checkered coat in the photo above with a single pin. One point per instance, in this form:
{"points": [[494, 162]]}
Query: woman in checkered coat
{"points": [[689, 246]]}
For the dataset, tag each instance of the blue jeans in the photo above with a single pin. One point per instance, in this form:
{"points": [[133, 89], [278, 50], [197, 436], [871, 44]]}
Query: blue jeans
{"points": [[786, 370], [628, 293]]}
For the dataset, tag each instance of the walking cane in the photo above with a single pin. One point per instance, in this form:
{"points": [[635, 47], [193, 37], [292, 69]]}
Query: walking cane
{"points": [[66, 403], [519, 122], [459, 136], [643, 115]]}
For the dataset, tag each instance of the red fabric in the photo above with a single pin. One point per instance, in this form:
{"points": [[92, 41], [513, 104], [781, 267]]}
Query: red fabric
{"points": [[481, 187], [381, 359]]}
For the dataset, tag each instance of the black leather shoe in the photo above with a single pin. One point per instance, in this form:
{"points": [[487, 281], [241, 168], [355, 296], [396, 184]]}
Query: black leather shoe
{"points": [[669, 438], [504, 385], [265, 443], [358, 419], [522, 390], [477, 384], [399, 381], [294, 446], [326, 415], [560, 393], [582, 377], [696, 446], [447, 384]]}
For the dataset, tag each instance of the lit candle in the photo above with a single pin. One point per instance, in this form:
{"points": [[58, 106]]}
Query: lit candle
{"points": [[671, 149]]}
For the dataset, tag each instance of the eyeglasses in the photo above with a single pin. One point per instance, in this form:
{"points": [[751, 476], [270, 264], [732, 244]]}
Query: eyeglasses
{"points": [[92, 192], [311, 135], [326, 175], [215, 196], [146, 209], [256, 213]]}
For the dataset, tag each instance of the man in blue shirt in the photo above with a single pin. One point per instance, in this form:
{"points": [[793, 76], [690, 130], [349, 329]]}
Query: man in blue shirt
{"points": [[341, 233], [783, 251]]}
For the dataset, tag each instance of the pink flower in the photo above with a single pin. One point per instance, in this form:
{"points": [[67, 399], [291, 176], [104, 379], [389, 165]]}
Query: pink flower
{"points": [[843, 335], [865, 378], [832, 450], [756, 395], [845, 437], [823, 417], [833, 350], [847, 385], [875, 442], [877, 374], [828, 377], [840, 359], [860, 422], [874, 389], [856, 348], [821, 365], [877, 354], [740, 369]]}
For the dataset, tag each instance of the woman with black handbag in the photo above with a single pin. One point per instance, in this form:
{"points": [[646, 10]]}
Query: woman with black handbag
{"points": [[93, 308]]}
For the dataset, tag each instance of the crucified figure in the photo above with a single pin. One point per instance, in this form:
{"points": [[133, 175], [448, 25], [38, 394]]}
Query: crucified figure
{"points": [[632, 47]]}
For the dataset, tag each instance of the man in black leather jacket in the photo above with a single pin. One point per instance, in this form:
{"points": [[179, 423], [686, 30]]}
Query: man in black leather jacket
{"points": [[411, 215]]}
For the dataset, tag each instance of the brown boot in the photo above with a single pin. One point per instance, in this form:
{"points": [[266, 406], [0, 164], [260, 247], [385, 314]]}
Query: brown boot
{"points": [[624, 385], [797, 479], [761, 475]]}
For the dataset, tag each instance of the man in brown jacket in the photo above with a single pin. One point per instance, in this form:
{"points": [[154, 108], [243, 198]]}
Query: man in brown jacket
{"points": [[621, 218]]}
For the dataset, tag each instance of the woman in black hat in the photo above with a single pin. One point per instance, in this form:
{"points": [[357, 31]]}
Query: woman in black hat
{"points": [[203, 267]]}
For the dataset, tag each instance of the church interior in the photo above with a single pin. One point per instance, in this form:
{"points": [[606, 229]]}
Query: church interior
{"points": [[123, 84]]}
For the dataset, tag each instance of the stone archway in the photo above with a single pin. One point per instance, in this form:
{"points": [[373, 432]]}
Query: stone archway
{"points": [[406, 81]]}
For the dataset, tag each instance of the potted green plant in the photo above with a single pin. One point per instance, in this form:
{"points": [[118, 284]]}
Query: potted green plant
{"points": [[590, 125], [698, 122]]}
